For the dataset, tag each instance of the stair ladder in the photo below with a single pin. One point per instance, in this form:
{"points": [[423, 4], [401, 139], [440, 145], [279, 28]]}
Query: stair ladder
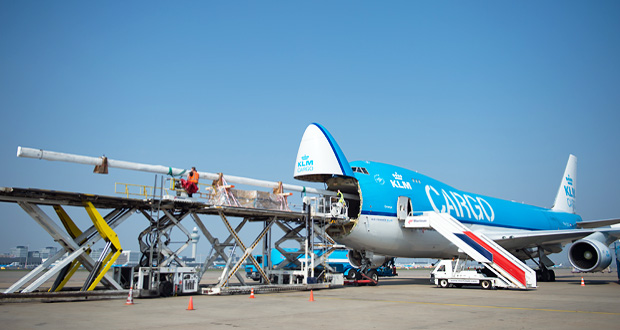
{"points": [[477, 246]]}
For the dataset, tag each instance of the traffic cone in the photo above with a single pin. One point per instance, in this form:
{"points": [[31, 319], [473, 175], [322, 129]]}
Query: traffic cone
{"points": [[190, 307], [311, 296], [582, 282], [130, 297], [252, 294]]}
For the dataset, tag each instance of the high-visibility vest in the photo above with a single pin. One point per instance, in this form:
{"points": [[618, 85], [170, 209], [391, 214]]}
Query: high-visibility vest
{"points": [[193, 177]]}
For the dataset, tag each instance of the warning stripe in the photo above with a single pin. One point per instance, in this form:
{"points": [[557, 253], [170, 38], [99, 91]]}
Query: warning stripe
{"points": [[477, 247], [500, 260]]}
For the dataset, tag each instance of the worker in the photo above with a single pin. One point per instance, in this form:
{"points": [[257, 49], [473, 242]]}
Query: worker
{"points": [[192, 176], [191, 184], [341, 198]]}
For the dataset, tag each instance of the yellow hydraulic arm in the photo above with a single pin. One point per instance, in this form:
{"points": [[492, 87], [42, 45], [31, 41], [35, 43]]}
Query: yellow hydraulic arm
{"points": [[107, 259], [74, 232]]}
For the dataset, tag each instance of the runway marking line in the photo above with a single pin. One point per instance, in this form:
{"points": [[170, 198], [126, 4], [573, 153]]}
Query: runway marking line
{"points": [[479, 306]]}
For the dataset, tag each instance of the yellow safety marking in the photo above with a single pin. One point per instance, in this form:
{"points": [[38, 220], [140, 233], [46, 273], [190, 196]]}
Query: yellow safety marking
{"points": [[478, 306], [102, 227], [71, 227], [108, 235], [74, 232], [108, 262], [75, 265]]}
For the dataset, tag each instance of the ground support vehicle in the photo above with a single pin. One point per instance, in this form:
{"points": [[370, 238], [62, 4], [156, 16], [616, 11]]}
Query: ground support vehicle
{"points": [[165, 281], [455, 273]]}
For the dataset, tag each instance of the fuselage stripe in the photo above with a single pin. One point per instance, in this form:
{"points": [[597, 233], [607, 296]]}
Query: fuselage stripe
{"points": [[479, 248], [500, 260], [334, 150]]}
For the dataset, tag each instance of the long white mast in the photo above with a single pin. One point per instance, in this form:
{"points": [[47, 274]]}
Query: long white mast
{"points": [[165, 170]]}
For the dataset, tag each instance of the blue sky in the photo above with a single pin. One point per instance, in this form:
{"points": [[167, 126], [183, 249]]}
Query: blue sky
{"points": [[490, 97]]}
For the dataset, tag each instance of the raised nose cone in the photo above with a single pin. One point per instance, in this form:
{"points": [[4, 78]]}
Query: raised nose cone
{"points": [[319, 156]]}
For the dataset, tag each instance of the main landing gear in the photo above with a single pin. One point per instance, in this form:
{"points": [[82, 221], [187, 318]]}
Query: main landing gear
{"points": [[358, 277], [543, 274]]}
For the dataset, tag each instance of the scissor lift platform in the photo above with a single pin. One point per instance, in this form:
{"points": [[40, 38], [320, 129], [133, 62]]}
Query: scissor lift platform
{"points": [[76, 244]]}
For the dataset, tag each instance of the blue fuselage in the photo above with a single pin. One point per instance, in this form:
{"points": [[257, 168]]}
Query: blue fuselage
{"points": [[382, 186]]}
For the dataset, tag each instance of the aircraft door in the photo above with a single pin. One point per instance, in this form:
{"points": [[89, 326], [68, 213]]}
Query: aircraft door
{"points": [[404, 208]]}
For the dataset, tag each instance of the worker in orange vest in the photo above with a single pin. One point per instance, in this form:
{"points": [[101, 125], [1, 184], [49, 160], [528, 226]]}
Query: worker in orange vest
{"points": [[191, 185]]}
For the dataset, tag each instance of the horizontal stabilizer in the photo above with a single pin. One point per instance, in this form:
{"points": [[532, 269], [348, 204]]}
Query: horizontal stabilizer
{"points": [[597, 223]]}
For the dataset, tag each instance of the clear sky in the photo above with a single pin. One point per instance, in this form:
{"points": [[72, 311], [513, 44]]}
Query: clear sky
{"points": [[490, 97]]}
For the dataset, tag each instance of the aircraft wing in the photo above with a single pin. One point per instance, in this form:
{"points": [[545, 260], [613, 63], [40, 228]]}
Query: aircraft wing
{"points": [[597, 223], [524, 239]]}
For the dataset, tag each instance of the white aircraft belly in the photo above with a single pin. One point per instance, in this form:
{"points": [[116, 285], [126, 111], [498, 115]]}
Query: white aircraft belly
{"points": [[386, 235]]}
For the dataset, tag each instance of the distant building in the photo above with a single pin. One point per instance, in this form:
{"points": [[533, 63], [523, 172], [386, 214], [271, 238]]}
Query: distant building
{"points": [[129, 258], [19, 252], [48, 251], [95, 254], [34, 254]]}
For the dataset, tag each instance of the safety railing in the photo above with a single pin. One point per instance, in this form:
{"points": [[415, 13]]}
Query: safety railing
{"points": [[223, 194], [129, 189], [327, 206], [172, 187]]}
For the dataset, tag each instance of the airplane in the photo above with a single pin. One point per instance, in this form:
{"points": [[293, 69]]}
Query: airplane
{"points": [[375, 194]]}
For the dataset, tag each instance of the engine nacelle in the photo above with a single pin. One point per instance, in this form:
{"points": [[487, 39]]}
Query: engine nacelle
{"points": [[375, 260], [588, 255]]}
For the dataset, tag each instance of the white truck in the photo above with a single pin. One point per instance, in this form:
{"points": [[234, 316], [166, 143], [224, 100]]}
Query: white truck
{"points": [[452, 273]]}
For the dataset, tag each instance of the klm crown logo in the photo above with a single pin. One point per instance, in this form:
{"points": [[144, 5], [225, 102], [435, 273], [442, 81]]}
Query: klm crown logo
{"points": [[569, 189], [306, 164], [569, 180], [399, 183]]}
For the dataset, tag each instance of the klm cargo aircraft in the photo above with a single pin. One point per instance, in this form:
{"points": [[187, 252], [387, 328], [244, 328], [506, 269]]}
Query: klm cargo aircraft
{"points": [[381, 196]]}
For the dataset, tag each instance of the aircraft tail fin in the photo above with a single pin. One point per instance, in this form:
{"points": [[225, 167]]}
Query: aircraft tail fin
{"points": [[565, 199]]}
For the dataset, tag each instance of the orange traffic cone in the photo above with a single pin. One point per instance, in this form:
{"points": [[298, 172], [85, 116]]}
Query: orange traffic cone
{"points": [[311, 296], [130, 297], [252, 294], [582, 282], [190, 307]]}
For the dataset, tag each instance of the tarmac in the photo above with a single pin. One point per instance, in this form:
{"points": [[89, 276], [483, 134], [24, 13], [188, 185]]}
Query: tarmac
{"points": [[408, 301]]}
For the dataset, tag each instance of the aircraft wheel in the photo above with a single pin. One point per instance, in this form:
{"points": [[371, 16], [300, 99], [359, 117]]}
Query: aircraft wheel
{"points": [[551, 275], [374, 276], [486, 285], [356, 274], [352, 274], [443, 283]]}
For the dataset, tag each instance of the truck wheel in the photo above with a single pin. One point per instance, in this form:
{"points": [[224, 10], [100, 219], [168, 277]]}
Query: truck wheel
{"points": [[486, 285], [443, 283]]}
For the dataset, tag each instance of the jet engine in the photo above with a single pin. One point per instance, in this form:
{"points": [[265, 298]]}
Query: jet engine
{"points": [[588, 255], [372, 260]]}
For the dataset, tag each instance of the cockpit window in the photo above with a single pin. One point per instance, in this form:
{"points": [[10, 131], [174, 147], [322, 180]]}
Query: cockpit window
{"points": [[359, 169]]}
